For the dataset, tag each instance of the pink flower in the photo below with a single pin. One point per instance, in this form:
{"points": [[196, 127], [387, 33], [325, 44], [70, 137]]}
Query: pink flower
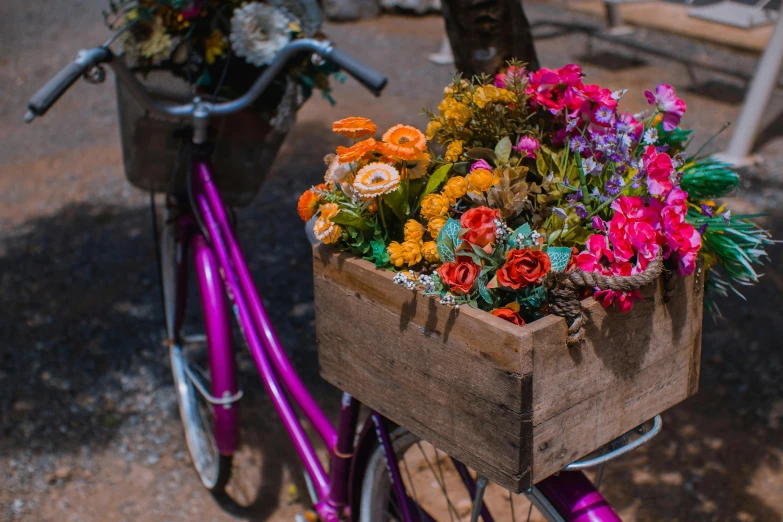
{"points": [[659, 169], [591, 260], [672, 107], [482, 164], [623, 300], [501, 80], [546, 86], [528, 146], [635, 127], [683, 241]]}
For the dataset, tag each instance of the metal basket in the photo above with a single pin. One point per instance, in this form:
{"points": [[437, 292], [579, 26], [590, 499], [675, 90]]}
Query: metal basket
{"points": [[155, 149]]}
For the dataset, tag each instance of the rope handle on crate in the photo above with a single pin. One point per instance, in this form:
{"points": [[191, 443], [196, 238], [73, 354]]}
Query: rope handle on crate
{"points": [[563, 292]]}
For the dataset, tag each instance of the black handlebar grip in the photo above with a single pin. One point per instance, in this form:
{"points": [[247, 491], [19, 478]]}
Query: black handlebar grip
{"points": [[368, 76], [62, 81]]}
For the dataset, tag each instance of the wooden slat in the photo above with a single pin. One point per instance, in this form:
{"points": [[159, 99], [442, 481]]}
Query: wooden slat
{"points": [[617, 346], [590, 424]]}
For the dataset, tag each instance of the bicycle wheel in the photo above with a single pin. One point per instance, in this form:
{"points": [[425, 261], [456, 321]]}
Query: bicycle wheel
{"points": [[434, 484], [191, 364]]}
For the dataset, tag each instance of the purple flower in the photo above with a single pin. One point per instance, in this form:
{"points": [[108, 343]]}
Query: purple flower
{"points": [[581, 211], [604, 114], [528, 146], [666, 100], [703, 229], [614, 185], [599, 224], [481, 164], [636, 181], [578, 144]]}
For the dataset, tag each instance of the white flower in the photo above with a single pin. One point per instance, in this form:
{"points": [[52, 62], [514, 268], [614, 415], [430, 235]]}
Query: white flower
{"points": [[651, 136], [259, 31], [560, 213], [616, 95], [337, 172], [589, 166]]}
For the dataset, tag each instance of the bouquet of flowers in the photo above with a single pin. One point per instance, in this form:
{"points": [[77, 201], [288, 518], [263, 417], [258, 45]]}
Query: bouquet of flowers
{"points": [[538, 173], [220, 46]]}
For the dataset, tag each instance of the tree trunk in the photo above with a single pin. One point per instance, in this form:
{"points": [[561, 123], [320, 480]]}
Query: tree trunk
{"points": [[484, 34]]}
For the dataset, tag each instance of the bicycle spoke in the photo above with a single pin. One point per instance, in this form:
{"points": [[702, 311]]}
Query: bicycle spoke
{"points": [[442, 485], [443, 479], [413, 489], [511, 502], [529, 512]]}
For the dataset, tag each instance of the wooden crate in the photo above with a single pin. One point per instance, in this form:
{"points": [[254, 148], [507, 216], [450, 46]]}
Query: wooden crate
{"points": [[511, 402]]}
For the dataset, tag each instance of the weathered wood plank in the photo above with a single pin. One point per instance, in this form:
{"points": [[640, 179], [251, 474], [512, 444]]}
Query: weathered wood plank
{"points": [[617, 346], [590, 424]]}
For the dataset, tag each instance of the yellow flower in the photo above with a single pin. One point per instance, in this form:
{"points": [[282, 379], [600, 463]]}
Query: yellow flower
{"points": [[407, 253], [329, 210], [214, 46], [411, 252], [417, 167], [454, 111], [454, 151], [413, 230], [432, 128], [430, 252], [376, 179], [480, 180], [434, 226], [396, 252], [434, 205], [455, 188], [490, 94]]}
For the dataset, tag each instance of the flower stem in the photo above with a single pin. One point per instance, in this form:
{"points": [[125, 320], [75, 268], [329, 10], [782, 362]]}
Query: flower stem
{"points": [[380, 211]]}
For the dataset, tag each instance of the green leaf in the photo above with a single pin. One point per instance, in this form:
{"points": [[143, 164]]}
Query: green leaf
{"points": [[483, 291], [559, 256], [480, 252], [397, 202], [524, 231], [349, 219], [463, 167], [503, 151], [478, 153], [448, 241], [379, 252], [436, 178]]}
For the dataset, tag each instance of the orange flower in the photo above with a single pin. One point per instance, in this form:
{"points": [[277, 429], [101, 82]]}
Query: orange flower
{"points": [[308, 202], [355, 127], [404, 140], [356, 151]]}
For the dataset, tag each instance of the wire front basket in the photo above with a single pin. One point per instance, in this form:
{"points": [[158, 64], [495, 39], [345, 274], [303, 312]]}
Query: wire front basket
{"points": [[156, 154]]}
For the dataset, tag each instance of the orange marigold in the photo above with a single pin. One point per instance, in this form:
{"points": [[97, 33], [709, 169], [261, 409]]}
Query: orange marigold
{"points": [[403, 140], [355, 127], [308, 202], [356, 151]]}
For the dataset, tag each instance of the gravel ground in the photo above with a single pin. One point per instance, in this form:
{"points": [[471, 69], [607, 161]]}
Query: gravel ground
{"points": [[88, 424]]}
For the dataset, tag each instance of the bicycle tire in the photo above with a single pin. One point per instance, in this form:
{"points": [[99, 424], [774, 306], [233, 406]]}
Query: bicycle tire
{"points": [[377, 492], [212, 466]]}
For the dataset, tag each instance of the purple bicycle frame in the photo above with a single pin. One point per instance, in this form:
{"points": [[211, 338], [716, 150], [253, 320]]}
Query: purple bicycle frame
{"points": [[575, 499]]}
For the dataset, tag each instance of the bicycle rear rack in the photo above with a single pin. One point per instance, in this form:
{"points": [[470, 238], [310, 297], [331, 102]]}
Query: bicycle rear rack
{"points": [[619, 446]]}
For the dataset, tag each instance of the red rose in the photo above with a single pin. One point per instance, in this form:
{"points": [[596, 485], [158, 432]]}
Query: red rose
{"points": [[509, 315], [460, 275], [481, 224], [523, 267], [572, 260]]}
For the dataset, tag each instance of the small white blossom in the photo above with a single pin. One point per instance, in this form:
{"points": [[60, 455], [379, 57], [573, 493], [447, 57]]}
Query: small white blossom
{"points": [[535, 236], [726, 216], [448, 300], [560, 213], [616, 95], [589, 166], [651, 136]]}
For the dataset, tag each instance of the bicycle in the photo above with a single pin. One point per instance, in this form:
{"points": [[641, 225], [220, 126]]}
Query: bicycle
{"points": [[369, 476]]}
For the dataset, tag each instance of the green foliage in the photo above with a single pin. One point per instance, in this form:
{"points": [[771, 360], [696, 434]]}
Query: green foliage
{"points": [[435, 181], [734, 246], [708, 178], [448, 241]]}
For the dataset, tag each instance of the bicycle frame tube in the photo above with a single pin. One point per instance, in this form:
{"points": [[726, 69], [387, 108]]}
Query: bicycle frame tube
{"points": [[274, 366], [573, 496]]}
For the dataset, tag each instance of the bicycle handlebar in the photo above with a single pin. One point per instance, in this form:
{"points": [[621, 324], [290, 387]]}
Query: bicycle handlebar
{"points": [[86, 59]]}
